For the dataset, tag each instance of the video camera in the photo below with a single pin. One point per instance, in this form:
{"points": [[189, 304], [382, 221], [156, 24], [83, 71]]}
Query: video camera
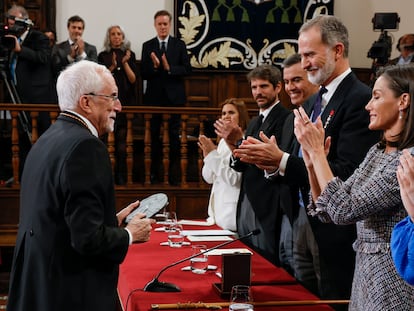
{"points": [[380, 50], [17, 29]]}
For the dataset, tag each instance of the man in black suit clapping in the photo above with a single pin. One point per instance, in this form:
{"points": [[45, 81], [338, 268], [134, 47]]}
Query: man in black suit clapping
{"points": [[257, 195], [164, 62]]}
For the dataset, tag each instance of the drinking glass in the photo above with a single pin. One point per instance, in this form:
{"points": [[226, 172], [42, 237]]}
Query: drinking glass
{"points": [[176, 238], [241, 298], [199, 264], [170, 222]]}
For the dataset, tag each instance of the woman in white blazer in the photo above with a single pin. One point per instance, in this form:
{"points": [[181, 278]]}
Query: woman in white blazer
{"points": [[216, 170]]}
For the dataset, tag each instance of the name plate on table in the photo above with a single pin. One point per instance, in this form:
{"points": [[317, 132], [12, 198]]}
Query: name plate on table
{"points": [[235, 270]]}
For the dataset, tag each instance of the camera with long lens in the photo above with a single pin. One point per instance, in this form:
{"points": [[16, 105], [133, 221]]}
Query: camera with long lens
{"points": [[380, 50]]}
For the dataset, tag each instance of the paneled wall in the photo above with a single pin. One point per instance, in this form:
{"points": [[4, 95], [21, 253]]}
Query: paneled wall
{"points": [[208, 89]]}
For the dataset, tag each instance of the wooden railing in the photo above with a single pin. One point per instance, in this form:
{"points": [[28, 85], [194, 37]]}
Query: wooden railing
{"points": [[189, 198], [193, 120]]}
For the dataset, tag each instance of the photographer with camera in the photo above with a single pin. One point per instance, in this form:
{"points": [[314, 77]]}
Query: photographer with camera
{"points": [[29, 71], [29, 59], [405, 46]]}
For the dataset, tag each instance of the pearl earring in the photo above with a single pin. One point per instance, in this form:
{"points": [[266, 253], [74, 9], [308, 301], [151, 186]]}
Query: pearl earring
{"points": [[400, 115]]}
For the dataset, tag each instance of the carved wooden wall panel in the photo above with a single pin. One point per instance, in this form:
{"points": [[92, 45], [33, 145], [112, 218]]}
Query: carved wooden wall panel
{"points": [[208, 89]]}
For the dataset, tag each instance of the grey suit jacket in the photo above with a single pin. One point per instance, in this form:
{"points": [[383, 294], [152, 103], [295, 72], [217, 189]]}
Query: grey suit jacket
{"points": [[61, 51]]}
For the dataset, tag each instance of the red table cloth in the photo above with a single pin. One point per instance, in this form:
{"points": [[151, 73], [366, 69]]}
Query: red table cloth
{"points": [[145, 260]]}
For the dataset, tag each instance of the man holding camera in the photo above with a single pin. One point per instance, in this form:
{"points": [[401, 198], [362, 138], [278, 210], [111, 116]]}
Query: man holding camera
{"points": [[29, 59], [30, 73]]}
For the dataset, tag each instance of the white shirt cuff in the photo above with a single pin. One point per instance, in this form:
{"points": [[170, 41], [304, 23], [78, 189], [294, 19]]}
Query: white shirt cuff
{"points": [[130, 236], [283, 163]]}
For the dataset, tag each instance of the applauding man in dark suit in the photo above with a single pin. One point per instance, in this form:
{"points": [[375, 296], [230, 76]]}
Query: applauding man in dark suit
{"points": [[164, 63], [256, 205], [74, 49]]}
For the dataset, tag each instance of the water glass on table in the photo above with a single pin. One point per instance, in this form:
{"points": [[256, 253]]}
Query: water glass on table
{"points": [[175, 237], [241, 298], [170, 222], [199, 264]]}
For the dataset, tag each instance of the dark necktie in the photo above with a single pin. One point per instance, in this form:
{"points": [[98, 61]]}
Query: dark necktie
{"points": [[318, 103], [257, 125], [163, 47]]}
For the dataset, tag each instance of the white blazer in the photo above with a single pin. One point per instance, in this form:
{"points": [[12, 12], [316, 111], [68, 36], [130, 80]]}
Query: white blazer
{"points": [[225, 191]]}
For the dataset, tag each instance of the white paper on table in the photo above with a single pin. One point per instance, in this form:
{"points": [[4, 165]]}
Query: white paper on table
{"points": [[194, 222], [216, 252], [193, 238], [207, 232]]}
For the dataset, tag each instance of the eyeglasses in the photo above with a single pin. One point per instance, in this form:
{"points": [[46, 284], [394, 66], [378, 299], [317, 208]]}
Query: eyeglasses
{"points": [[113, 97]]}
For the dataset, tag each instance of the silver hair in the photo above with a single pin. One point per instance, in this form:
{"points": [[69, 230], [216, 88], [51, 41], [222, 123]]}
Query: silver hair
{"points": [[18, 8], [81, 78], [126, 45]]}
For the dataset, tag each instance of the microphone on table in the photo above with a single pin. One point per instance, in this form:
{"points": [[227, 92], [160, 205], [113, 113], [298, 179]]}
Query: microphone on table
{"points": [[157, 286]]}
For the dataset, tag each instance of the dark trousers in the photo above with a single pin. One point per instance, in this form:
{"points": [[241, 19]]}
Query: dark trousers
{"points": [[120, 134], [157, 149]]}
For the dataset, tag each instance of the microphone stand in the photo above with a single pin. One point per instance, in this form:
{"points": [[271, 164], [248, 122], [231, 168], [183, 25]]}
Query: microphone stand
{"points": [[156, 286]]}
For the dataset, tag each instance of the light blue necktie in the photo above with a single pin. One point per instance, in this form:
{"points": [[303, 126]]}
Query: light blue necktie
{"points": [[13, 63]]}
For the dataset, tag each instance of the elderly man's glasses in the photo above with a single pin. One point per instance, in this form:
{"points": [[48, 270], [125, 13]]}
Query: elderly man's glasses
{"points": [[113, 97]]}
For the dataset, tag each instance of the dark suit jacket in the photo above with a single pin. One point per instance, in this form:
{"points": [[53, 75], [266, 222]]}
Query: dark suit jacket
{"points": [[69, 245], [165, 88], [346, 121], [261, 193], [62, 50], [35, 83]]}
